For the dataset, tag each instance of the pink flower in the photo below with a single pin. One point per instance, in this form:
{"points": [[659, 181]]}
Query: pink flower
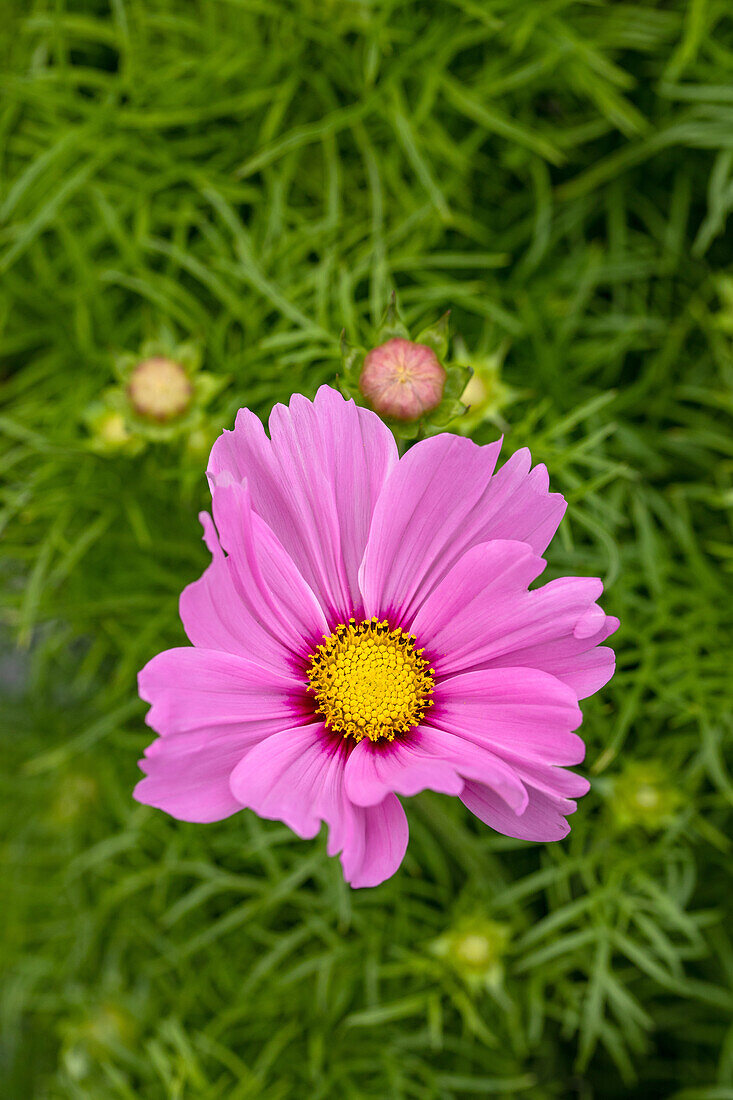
{"points": [[365, 630], [402, 379]]}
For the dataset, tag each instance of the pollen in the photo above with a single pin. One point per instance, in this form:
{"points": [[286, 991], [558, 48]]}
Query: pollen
{"points": [[370, 681]]}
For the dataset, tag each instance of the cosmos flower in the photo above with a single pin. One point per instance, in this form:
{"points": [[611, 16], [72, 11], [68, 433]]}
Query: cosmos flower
{"points": [[365, 631]]}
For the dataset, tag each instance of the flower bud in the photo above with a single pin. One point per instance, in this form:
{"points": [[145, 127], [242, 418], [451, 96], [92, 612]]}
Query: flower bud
{"points": [[402, 380], [474, 949], [644, 795], [159, 389], [477, 393], [485, 394], [112, 431], [109, 432]]}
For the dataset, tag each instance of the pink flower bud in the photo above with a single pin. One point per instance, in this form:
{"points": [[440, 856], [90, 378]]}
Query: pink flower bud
{"points": [[402, 380], [159, 389]]}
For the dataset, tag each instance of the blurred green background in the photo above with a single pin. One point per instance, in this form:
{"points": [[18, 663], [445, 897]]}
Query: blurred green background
{"points": [[248, 177]]}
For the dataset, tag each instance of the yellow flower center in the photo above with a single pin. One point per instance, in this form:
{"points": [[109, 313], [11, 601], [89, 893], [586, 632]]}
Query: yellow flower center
{"points": [[370, 681]]}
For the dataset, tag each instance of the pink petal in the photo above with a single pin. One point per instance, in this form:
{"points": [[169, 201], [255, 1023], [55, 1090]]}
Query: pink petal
{"points": [[210, 708], [541, 821], [474, 608], [558, 783], [193, 786], [217, 613], [194, 689], [295, 778], [400, 767], [439, 501], [315, 483], [483, 616], [475, 762], [374, 843], [428, 759], [264, 575], [298, 777], [580, 663], [521, 505], [517, 713], [526, 717], [591, 622]]}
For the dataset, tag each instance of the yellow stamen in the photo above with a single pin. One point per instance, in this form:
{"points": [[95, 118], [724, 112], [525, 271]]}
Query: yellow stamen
{"points": [[370, 681]]}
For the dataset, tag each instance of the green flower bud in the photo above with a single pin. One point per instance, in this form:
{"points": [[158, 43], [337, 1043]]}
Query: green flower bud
{"points": [[474, 949], [643, 795]]}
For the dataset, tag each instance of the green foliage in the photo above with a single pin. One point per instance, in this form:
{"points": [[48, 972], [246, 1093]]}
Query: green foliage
{"points": [[256, 176]]}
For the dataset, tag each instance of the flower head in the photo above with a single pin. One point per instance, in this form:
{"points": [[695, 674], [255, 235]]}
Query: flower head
{"points": [[402, 379], [365, 631]]}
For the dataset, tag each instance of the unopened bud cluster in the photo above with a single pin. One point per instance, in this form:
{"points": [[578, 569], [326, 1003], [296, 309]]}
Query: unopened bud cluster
{"points": [[160, 396]]}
